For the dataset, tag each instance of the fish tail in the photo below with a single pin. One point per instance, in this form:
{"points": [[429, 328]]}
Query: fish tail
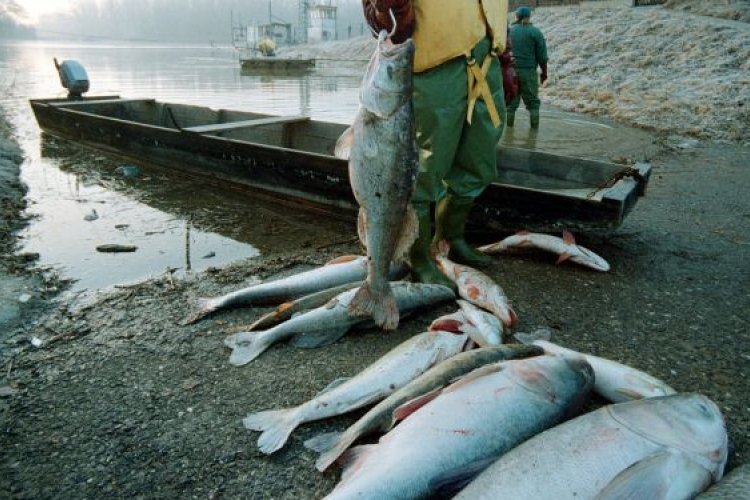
{"points": [[330, 446], [246, 347], [203, 307], [382, 307], [275, 425]]}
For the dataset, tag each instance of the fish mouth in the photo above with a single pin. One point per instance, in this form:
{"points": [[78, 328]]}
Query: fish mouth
{"points": [[389, 49]]}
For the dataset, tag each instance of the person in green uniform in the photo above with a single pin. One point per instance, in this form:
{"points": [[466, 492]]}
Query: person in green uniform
{"points": [[460, 60], [530, 52]]}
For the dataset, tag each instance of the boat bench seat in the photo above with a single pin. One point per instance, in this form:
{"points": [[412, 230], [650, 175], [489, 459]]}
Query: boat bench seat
{"points": [[274, 120]]}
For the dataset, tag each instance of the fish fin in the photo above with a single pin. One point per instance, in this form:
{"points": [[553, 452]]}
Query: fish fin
{"points": [[538, 334], [343, 259], [272, 318], [275, 425], [568, 238], [409, 233], [353, 458], [449, 483], [362, 226], [480, 372], [330, 446], [442, 249], [381, 307], [203, 307], [629, 394], [333, 385], [659, 476], [413, 405], [344, 144], [523, 232], [563, 257], [314, 340], [247, 348]]}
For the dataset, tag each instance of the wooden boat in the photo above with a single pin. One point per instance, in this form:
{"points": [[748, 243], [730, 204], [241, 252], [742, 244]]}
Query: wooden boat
{"points": [[291, 157]]}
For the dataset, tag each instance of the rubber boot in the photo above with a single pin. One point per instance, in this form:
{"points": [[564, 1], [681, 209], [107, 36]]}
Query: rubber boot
{"points": [[510, 119], [423, 267], [450, 219], [534, 117]]}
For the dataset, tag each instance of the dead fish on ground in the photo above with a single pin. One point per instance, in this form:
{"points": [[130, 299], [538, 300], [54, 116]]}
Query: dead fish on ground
{"points": [[565, 247], [337, 272], [383, 162], [296, 306], [464, 428], [382, 417], [665, 448], [734, 486], [324, 325], [476, 287], [615, 381], [395, 369], [488, 326]]}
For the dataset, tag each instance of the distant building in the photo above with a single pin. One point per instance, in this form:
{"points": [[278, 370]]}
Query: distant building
{"points": [[322, 27], [279, 33]]}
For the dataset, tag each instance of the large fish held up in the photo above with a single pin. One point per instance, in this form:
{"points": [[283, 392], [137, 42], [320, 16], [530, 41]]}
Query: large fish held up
{"points": [[383, 162], [664, 448]]}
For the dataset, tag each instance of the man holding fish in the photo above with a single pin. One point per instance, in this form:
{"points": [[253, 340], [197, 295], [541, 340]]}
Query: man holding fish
{"points": [[459, 112]]}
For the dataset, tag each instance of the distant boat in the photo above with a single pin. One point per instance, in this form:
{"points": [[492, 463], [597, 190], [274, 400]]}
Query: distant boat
{"points": [[291, 158]]}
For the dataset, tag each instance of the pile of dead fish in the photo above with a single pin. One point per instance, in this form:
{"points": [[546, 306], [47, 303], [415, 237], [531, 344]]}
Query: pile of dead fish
{"points": [[462, 414], [459, 412]]}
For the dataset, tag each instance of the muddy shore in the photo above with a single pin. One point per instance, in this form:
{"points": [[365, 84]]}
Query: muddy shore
{"points": [[122, 401]]}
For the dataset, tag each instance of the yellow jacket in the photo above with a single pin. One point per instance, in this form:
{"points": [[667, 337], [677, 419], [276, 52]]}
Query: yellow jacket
{"points": [[444, 29]]}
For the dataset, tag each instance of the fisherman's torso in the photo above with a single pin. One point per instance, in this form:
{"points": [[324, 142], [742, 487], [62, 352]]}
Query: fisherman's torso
{"points": [[528, 45], [445, 29]]}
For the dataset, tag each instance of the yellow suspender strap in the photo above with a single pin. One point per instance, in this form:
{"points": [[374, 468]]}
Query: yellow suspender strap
{"points": [[478, 87]]}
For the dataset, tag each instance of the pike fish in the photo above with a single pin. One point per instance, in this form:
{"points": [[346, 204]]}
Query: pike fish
{"points": [[288, 309], [394, 370], [325, 325], [476, 287], [342, 270], [665, 448], [615, 381], [382, 417], [383, 162], [464, 428], [565, 247], [734, 486]]}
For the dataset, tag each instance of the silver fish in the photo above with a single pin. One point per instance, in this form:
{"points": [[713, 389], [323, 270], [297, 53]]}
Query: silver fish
{"points": [[734, 486], [382, 417], [565, 247], [488, 326], [665, 448], [328, 323], [288, 309], [467, 426], [476, 287], [337, 272], [615, 381], [383, 163], [395, 369]]}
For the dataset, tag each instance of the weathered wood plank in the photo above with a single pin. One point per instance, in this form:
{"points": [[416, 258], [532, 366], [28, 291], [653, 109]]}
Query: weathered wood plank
{"points": [[85, 102], [218, 127]]}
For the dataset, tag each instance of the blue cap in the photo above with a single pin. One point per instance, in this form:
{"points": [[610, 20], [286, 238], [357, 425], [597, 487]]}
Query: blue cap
{"points": [[523, 12]]}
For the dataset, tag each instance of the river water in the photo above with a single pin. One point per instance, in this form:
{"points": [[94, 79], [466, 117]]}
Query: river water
{"points": [[79, 198]]}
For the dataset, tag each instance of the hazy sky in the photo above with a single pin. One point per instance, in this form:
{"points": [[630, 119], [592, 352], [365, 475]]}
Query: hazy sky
{"points": [[173, 20]]}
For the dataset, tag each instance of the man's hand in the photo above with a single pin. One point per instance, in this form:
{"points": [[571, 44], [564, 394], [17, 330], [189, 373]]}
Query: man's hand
{"points": [[543, 74], [378, 16]]}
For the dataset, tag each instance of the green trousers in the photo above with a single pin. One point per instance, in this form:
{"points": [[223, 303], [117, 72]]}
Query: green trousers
{"points": [[455, 156], [528, 90]]}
